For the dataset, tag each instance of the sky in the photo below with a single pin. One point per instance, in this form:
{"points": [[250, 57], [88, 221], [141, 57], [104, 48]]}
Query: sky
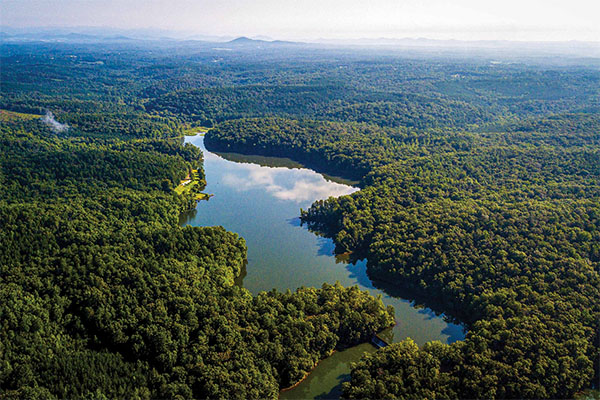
{"points": [[530, 20]]}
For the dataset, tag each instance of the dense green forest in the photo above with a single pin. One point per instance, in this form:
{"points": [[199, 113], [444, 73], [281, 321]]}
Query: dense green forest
{"points": [[480, 191], [499, 224], [103, 294], [502, 228]]}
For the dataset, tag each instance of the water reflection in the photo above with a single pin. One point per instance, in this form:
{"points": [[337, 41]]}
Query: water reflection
{"points": [[260, 160], [358, 273], [325, 381], [454, 332], [297, 185], [239, 280], [187, 217], [282, 162], [295, 221], [262, 204], [326, 247]]}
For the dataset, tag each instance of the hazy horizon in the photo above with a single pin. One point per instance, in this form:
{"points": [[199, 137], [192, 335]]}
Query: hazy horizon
{"points": [[512, 20]]}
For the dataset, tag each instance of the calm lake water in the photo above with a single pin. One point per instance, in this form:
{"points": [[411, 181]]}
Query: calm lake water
{"points": [[260, 199]]}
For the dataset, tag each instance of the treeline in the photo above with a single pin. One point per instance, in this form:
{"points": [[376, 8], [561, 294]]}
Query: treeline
{"points": [[104, 295], [40, 162], [93, 118], [565, 130], [316, 144], [502, 229], [134, 125], [415, 112], [327, 102], [397, 93]]}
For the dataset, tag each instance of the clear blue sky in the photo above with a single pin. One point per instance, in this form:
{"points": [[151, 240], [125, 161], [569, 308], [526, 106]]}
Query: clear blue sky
{"points": [[309, 19]]}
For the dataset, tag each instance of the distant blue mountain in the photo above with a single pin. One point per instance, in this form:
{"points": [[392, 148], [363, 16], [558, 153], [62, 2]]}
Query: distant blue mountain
{"points": [[246, 41]]}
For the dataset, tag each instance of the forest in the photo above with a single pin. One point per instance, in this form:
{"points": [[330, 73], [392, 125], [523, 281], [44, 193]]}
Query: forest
{"points": [[480, 191], [504, 233], [104, 295]]}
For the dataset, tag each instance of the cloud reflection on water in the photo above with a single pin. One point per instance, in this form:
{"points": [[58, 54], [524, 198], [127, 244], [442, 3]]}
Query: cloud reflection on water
{"points": [[297, 185]]}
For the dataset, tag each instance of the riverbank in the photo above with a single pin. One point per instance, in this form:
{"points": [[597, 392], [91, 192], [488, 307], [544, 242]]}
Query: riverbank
{"points": [[260, 199], [312, 161], [195, 130], [306, 375], [193, 184], [384, 281]]}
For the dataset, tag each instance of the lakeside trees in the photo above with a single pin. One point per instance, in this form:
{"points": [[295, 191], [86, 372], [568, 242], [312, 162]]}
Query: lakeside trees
{"points": [[500, 227], [105, 295]]}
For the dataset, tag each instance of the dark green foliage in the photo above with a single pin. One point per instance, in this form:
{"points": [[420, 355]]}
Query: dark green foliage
{"points": [[314, 143], [136, 125], [340, 103], [502, 228], [403, 371], [480, 192], [104, 295]]}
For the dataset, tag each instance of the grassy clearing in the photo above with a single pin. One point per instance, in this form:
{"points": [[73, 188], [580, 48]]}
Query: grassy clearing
{"points": [[192, 184], [186, 185], [195, 130], [203, 196], [7, 116]]}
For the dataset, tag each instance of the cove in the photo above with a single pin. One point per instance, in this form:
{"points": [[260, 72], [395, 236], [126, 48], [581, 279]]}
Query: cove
{"points": [[260, 199]]}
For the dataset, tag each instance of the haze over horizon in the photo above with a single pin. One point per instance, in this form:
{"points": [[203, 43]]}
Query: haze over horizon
{"points": [[532, 20]]}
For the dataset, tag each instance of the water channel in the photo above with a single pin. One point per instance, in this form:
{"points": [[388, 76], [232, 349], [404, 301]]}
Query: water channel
{"points": [[260, 199]]}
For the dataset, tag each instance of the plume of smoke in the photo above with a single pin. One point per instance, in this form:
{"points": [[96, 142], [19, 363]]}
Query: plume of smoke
{"points": [[56, 126]]}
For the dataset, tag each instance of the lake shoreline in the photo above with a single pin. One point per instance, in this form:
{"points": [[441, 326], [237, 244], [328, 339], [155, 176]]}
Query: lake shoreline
{"points": [[306, 375], [307, 162], [435, 302], [260, 203]]}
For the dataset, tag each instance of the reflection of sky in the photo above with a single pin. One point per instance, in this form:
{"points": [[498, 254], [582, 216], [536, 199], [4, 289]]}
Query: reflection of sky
{"points": [[297, 185], [262, 205]]}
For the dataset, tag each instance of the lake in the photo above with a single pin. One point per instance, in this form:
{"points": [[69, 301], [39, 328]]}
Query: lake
{"points": [[260, 199]]}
